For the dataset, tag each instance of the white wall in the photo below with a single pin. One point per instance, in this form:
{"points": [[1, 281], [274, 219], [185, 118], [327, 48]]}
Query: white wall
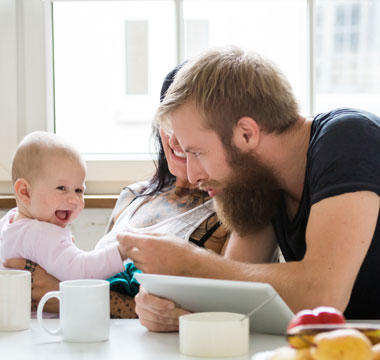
{"points": [[88, 228]]}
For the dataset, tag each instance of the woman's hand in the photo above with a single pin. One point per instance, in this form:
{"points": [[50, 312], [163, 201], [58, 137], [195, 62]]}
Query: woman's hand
{"points": [[157, 314], [42, 282]]}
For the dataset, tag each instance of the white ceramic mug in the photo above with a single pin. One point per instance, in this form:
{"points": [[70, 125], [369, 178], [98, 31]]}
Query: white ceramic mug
{"points": [[84, 309], [15, 300]]}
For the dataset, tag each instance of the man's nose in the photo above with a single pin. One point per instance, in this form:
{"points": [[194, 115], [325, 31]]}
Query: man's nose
{"points": [[195, 172]]}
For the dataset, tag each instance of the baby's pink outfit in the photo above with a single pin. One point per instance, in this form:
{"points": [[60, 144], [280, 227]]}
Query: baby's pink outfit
{"points": [[51, 247]]}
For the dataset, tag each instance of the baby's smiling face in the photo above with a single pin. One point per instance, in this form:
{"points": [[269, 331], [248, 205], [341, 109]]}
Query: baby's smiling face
{"points": [[57, 195]]}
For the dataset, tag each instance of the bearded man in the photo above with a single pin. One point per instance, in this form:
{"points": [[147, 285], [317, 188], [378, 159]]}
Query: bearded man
{"points": [[310, 186]]}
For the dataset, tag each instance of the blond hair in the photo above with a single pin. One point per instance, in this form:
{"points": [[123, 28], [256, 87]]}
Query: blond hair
{"points": [[227, 84], [33, 150]]}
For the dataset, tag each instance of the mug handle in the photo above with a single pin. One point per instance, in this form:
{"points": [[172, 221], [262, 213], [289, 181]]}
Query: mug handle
{"points": [[45, 298]]}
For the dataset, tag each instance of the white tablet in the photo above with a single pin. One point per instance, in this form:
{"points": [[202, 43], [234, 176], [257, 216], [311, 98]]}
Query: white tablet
{"points": [[198, 295]]}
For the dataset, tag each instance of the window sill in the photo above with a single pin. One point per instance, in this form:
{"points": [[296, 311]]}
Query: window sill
{"points": [[91, 201]]}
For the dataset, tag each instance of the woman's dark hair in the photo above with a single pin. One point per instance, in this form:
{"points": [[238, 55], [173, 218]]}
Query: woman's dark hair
{"points": [[163, 177]]}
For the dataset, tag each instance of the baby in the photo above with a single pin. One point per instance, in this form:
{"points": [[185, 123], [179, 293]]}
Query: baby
{"points": [[49, 183]]}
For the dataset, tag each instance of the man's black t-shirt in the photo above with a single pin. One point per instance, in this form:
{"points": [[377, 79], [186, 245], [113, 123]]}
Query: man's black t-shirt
{"points": [[343, 156]]}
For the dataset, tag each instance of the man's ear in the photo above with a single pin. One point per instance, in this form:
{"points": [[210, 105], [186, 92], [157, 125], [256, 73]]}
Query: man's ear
{"points": [[246, 134], [21, 188]]}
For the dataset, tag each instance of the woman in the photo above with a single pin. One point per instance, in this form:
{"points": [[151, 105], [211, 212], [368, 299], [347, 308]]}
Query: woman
{"points": [[168, 203]]}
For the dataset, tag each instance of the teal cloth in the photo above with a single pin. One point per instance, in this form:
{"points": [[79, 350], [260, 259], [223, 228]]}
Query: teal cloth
{"points": [[124, 282]]}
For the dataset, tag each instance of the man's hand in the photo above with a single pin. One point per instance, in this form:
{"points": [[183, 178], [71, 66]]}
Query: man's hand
{"points": [[157, 314], [158, 254], [42, 282]]}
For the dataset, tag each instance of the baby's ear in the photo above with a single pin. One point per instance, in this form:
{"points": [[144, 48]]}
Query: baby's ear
{"points": [[21, 188]]}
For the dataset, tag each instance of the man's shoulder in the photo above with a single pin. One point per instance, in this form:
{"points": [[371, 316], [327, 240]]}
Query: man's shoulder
{"points": [[344, 126], [345, 118], [343, 154]]}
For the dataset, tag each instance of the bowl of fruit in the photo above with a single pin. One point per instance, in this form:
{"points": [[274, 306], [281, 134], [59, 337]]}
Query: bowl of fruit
{"points": [[324, 334]]}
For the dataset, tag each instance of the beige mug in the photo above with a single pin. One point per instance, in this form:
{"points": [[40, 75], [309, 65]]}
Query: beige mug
{"points": [[15, 300], [214, 334], [84, 310]]}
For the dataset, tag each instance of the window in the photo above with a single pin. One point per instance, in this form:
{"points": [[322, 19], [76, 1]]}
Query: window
{"points": [[348, 54], [110, 58], [108, 66], [110, 62]]}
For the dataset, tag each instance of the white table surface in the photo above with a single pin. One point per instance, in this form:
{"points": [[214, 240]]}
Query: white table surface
{"points": [[128, 340]]}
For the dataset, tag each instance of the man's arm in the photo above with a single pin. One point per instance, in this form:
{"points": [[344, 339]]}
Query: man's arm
{"points": [[338, 235], [159, 314]]}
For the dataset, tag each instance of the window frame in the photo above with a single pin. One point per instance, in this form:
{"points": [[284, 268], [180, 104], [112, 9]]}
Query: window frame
{"points": [[30, 89], [23, 92]]}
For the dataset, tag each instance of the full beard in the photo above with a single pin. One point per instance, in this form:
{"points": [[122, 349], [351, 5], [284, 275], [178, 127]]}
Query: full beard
{"points": [[250, 197]]}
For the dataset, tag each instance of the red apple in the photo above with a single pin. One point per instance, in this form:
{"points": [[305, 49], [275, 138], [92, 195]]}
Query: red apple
{"points": [[320, 315]]}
